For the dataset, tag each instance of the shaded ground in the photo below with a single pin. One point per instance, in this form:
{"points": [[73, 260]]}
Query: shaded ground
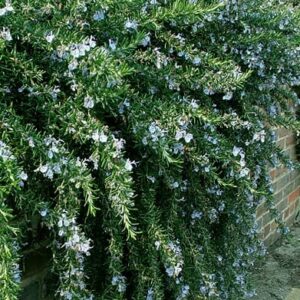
{"points": [[278, 277]]}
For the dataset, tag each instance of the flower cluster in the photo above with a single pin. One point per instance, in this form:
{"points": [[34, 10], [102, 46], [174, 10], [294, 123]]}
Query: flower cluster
{"points": [[155, 133], [5, 152], [77, 244], [174, 269], [208, 285], [120, 282], [7, 8]]}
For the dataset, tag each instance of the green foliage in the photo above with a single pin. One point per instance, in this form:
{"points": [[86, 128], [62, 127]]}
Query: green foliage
{"points": [[140, 134]]}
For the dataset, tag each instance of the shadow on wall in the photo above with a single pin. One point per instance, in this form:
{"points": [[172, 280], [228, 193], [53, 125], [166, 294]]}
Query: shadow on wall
{"points": [[37, 281]]}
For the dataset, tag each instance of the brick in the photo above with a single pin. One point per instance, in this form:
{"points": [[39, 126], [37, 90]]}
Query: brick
{"points": [[275, 236], [297, 182], [294, 195], [290, 220], [286, 214], [294, 176], [282, 132], [261, 235], [273, 226], [267, 230], [281, 182], [278, 196], [290, 140], [293, 208], [281, 171], [281, 143], [272, 236], [266, 219], [288, 189], [261, 210], [282, 205], [273, 173], [291, 152]]}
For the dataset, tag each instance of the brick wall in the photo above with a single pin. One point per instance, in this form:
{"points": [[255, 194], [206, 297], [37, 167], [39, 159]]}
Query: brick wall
{"points": [[286, 186]]}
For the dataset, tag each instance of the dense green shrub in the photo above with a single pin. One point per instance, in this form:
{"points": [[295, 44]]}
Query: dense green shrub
{"points": [[140, 134]]}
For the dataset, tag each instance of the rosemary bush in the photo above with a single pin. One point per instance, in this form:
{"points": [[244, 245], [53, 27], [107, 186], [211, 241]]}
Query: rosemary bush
{"points": [[140, 134]]}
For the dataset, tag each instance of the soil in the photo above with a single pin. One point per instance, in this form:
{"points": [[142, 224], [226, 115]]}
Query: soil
{"points": [[279, 273]]}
